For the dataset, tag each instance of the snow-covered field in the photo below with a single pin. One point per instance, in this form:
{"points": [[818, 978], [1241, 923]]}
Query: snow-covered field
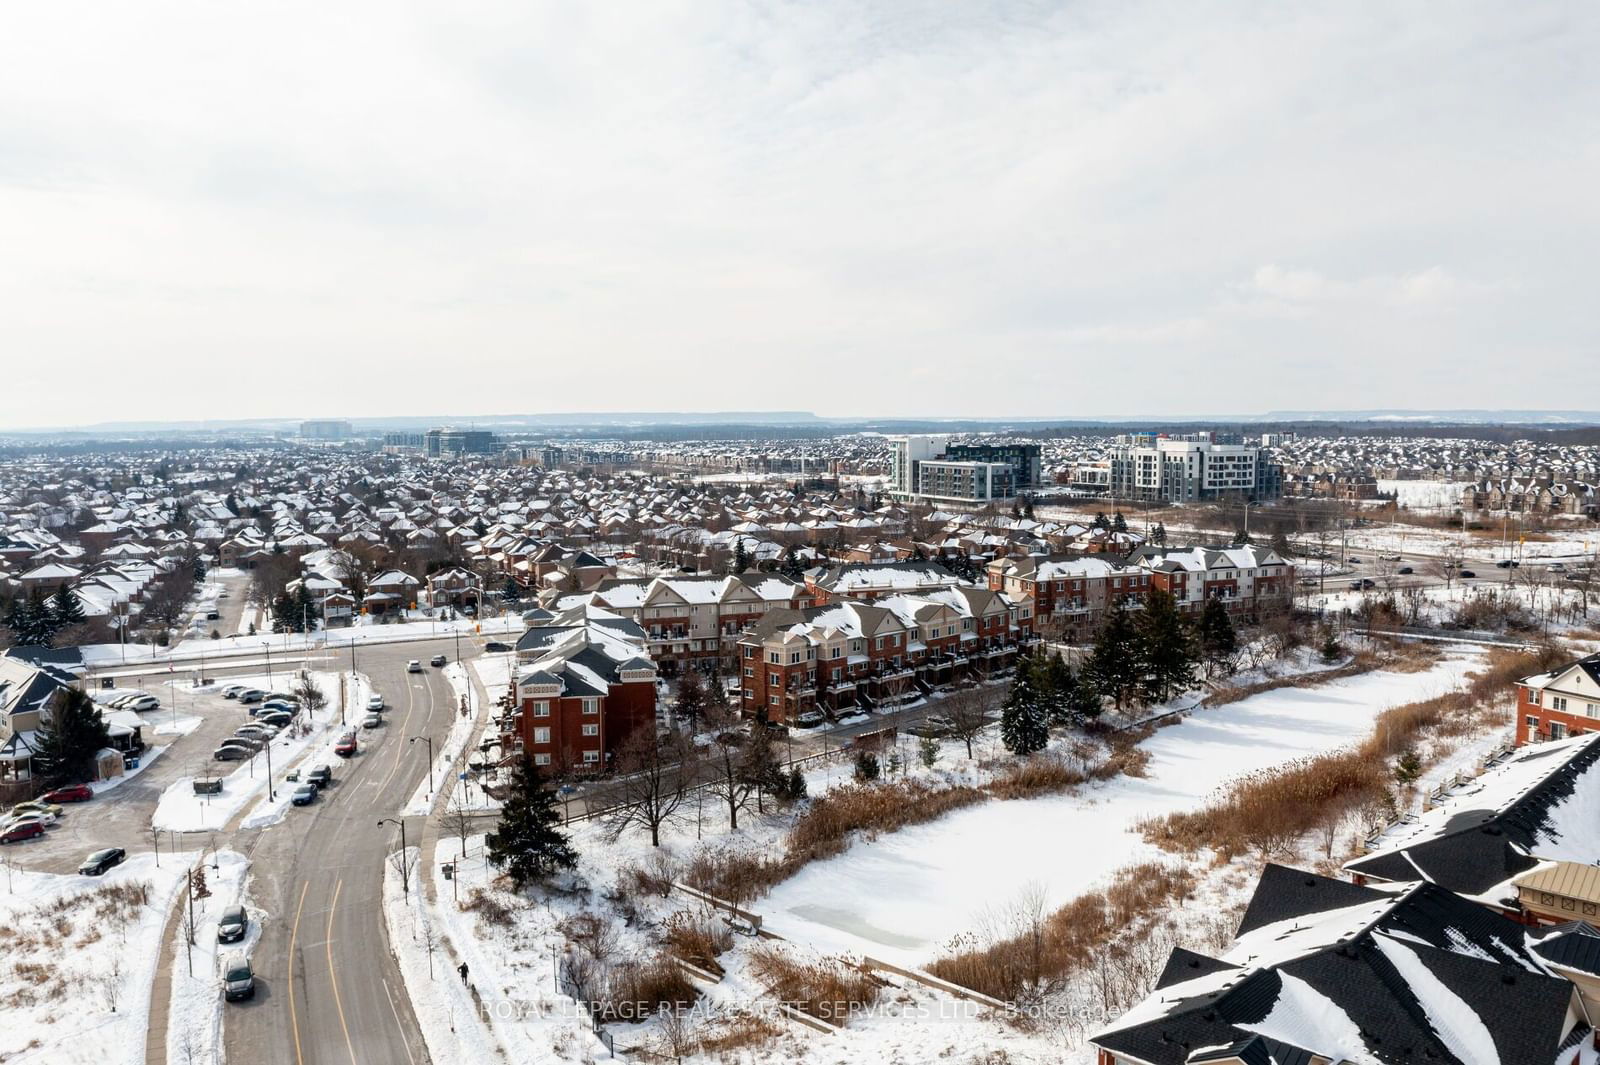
{"points": [[79, 955], [903, 896]]}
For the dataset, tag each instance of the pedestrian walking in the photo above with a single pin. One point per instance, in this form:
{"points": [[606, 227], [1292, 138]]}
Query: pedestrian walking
{"points": [[462, 969]]}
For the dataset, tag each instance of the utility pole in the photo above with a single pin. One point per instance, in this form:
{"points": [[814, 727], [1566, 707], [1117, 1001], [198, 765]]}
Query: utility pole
{"points": [[429, 741], [189, 938], [405, 878]]}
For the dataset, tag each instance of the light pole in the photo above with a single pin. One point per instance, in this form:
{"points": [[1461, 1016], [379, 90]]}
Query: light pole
{"points": [[429, 741], [405, 878], [267, 647]]}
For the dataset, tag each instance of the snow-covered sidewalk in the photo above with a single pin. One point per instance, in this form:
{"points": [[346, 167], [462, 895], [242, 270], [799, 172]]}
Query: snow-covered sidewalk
{"points": [[194, 1010]]}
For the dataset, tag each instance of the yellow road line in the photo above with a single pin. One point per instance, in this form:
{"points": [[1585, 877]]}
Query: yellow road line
{"points": [[332, 908], [294, 932]]}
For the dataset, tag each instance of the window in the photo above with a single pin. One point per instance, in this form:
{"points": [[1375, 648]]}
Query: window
{"points": [[1558, 702], [591, 706], [838, 652], [541, 759], [1591, 709], [749, 652], [772, 700], [749, 672], [774, 657], [541, 708], [1534, 695], [541, 735], [1557, 730], [591, 756], [591, 730]]}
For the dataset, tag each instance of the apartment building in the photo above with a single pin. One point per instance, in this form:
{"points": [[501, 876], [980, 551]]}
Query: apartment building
{"points": [[1024, 459], [1563, 702], [1190, 468], [453, 443], [1068, 596], [853, 653], [584, 685], [1247, 579], [695, 622], [929, 467], [948, 480]]}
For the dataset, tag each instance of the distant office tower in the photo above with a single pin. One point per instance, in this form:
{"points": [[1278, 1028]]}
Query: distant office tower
{"points": [[325, 430], [452, 443]]}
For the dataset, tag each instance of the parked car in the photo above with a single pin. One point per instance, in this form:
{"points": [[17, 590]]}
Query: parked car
{"points": [[212, 615], [496, 647], [346, 745], [278, 704], [438, 660], [1352, 558], [321, 776], [810, 718], [247, 739], [98, 863], [1558, 567], [42, 820], [232, 691], [70, 793], [374, 702], [232, 751], [252, 695], [1404, 570], [258, 728], [304, 794], [414, 666], [18, 833], [35, 806], [232, 925], [238, 979], [142, 703], [372, 721], [277, 718]]}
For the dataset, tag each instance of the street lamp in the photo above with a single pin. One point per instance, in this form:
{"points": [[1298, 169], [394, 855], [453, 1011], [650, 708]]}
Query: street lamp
{"points": [[405, 879], [429, 741]]}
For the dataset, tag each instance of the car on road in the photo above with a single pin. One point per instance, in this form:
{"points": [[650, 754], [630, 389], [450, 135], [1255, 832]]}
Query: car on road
{"points": [[374, 702], [1558, 567], [1389, 558], [1467, 573], [1404, 571], [414, 666], [1353, 558], [438, 660], [232, 691], [304, 795], [320, 776], [18, 833], [232, 925], [372, 721], [238, 979], [810, 718], [496, 647], [70, 793], [1507, 563], [100, 862], [232, 751], [252, 695], [212, 615], [346, 745]]}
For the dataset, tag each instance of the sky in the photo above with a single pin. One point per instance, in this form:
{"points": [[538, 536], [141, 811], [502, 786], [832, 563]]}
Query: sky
{"points": [[231, 210]]}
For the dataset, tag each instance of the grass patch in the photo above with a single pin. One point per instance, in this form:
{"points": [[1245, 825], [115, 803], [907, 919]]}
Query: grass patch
{"points": [[828, 989]]}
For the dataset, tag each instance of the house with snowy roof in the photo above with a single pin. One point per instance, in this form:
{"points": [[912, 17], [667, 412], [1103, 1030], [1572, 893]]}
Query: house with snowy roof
{"points": [[1564, 701], [1324, 972]]}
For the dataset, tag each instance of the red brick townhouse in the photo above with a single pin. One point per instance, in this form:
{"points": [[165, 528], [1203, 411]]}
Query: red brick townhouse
{"points": [[696, 621], [1068, 595], [1247, 579], [584, 685], [864, 654], [1562, 702], [874, 580]]}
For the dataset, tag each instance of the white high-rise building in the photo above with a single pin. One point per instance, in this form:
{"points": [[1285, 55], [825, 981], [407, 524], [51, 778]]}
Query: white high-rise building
{"points": [[905, 452]]}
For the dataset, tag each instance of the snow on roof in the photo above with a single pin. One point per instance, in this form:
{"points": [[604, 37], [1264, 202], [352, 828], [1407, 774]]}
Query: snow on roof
{"points": [[1456, 1023], [1304, 1017]]}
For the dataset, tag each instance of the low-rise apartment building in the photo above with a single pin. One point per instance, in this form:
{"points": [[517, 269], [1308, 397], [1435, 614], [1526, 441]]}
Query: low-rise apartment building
{"points": [[1563, 702], [695, 622]]}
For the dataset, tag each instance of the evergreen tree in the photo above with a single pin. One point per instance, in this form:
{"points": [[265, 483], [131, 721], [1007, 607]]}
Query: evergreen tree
{"points": [[1024, 719], [1027, 507], [928, 752], [1100, 521], [1083, 701], [1158, 535], [791, 566], [691, 697], [741, 557], [1056, 683], [1218, 641], [197, 567], [39, 625], [70, 740], [1408, 767], [528, 842], [306, 611], [1119, 523], [1117, 661], [1168, 646], [866, 766], [283, 613], [512, 590], [795, 787], [65, 608]]}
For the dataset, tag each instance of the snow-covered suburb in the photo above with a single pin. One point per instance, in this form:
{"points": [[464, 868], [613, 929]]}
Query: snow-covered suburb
{"points": [[904, 895]]}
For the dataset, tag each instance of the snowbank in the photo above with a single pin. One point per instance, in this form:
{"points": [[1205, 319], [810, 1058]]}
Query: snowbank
{"points": [[194, 1011]]}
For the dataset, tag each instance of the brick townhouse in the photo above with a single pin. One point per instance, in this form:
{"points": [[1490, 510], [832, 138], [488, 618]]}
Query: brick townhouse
{"points": [[1068, 595], [874, 580], [852, 653], [584, 685], [696, 621], [1563, 702], [1247, 579]]}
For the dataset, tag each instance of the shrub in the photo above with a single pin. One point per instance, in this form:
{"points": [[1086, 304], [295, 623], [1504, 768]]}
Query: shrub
{"points": [[636, 991], [1039, 775], [829, 989], [698, 939]]}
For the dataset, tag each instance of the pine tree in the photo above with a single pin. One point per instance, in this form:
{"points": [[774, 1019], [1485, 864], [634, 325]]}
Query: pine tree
{"points": [[794, 787], [1100, 521], [928, 752], [70, 741], [305, 610], [1027, 507], [1158, 535], [1119, 523], [39, 624], [866, 766], [512, 591], [791, 566], [1117, 661], [528, 842], [1083, 701], [1056, 686], [741, 557], [65, 608], [197, 567], [1024, 720], [1408, 767], [1168, 646], [691, 698], [1218, 641]]}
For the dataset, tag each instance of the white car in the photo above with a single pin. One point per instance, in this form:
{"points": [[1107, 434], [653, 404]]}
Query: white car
{"points": [[374, 702], [414, 666]]}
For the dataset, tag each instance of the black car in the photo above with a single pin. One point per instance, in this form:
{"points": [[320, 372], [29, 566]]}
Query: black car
{"points": [[1404, 570], [321, 776], [495, 646], [1468, 573], [233, 925], [99, 862], [238, 979], [438, 660], [304, 795]]}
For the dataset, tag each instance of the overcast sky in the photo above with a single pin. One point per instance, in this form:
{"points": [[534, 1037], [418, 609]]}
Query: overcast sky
{"points": [[857, 208]]}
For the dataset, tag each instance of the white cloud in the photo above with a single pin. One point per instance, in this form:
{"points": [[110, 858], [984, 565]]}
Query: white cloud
{"points": [[350, 207]]}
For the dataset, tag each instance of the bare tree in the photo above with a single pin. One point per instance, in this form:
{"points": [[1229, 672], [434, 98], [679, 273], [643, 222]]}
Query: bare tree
{"points": [[964, 709], [653, 779], [729, 782], [1447, 566], [457, 819]]}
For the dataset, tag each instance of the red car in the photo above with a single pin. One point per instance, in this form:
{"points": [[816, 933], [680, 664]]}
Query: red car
{"points": [[70, 793], [346, 745], [21, 832]]}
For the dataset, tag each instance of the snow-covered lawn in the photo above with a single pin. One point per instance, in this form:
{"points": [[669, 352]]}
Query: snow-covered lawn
{"points": [[194, 1011], [79, 955], [493, 672], [903, 896]]}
